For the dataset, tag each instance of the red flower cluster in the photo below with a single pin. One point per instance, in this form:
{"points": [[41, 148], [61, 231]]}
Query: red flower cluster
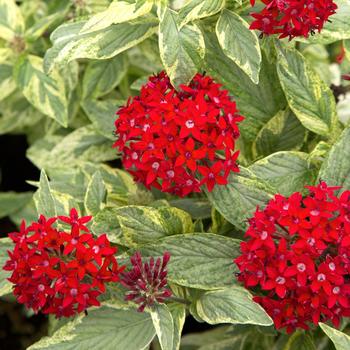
{"points": [[298, 257], [292, 18], [177, 141], [60, 272], [146, 281]]}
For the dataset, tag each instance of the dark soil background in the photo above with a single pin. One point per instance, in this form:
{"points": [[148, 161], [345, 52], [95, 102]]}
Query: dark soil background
{"points": [[18, 329]]}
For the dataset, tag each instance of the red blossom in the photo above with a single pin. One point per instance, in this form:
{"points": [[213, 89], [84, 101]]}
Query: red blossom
{"points": [[172, 140], [297, 257], [60, 272], [291, 18], [146, 281]]}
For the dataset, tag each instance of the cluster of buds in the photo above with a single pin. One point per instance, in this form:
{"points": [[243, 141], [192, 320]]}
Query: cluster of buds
{"points": [[60, 272], [178, 141], [290, 18], [297, 257], [146, 282]]}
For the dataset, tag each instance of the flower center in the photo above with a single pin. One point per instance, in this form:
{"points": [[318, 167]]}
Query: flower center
{"points": [[96, 249], [336, 290], [155, 166], [188, 155], [280, 280], [315, 212], [170, 173], [189, 182], [41, 287], [301, 267], [74, 241], [134, 155], [263, 235], [211, 176], [311, 241], [286, 206], [73, 292], [331, 266], [189, 124], [321, 277]]}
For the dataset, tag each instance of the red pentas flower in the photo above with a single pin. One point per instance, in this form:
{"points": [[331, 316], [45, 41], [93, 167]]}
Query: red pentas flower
{"points": [[60, 272], [178, 141], [146, 282], [297, 257], [292, 18]]}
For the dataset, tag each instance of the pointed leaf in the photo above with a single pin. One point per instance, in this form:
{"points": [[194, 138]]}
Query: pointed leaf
{"points": [[308, 96], [181, 50], [231, 305], [238, 200], [95, 194], [46, 93], [104, 328], [340, 340], [239, 43], [164, 325]]}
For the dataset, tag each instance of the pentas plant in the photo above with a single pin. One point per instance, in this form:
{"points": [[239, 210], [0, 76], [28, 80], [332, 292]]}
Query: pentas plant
{"points": [[179, 140], [146, 281], [297, 257], [60, 272], [292, 18]]}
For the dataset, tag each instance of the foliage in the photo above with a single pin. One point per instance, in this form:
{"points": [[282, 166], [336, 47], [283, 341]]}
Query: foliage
{"points": [[66, 66]]}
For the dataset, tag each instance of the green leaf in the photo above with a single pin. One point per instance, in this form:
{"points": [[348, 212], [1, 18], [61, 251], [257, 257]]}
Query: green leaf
{"points": [[202, 260], [42, 25], [104, 328], [117, 12], [198, 208], [300, 341], [283, 132], [102, 115], [181, 50], [60, 37], [95, 194], [308, 96], [197, 9], [10, 202], [11, 20], [145, 224], [340, 340], [101, 77], [82, 145], [103, 44], [7, 83], [164, 325], [106, 221], [239, 43], [231, 305], [335, 170], [5, 286], [257, 102], [43, 198], [46, 93], [117, 181], [18, 115], [178, 312], [238, 200], [287, 172]]}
